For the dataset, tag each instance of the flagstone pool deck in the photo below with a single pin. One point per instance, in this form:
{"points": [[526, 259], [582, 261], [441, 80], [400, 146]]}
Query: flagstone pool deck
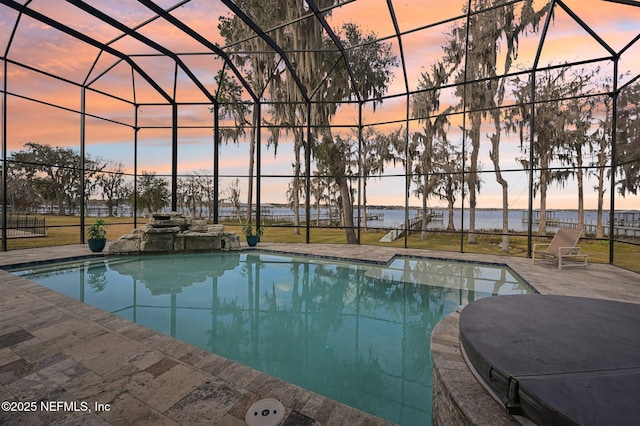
{"points": [[96, 368]]}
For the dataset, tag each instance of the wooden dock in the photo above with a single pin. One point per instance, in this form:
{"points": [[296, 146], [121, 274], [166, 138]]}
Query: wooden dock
{"points": [[433, 215], [289, 218], [397, 232], [621, 227], [373, 216]]}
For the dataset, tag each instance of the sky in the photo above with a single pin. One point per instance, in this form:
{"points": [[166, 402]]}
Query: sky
{"points": [[425, 24]]}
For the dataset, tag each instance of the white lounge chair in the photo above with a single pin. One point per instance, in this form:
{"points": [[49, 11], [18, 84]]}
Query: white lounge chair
{"points": [[562, 246]]}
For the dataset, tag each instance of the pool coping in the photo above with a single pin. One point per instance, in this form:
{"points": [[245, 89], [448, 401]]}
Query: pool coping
{"points": [[56, 350], [60, 355]]}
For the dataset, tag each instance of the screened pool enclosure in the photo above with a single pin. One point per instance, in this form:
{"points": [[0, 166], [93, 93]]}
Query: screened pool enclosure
{"points": [[477, 125]]}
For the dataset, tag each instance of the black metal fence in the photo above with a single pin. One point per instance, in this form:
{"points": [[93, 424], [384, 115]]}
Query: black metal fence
{"points": [[23, 226]]}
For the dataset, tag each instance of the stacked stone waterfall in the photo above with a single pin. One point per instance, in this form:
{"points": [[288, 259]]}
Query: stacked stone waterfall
{"points": [[172, 232]]}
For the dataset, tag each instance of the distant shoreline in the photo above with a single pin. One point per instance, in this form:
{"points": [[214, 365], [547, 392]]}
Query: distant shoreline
{"points": [[396, 207]]}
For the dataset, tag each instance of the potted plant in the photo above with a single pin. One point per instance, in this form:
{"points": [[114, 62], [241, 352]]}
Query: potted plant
{"points": [[252, 239], [97, 235]]}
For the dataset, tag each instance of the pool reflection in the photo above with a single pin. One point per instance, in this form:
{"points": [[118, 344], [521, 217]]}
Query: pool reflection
{"points": [[356, 333]]}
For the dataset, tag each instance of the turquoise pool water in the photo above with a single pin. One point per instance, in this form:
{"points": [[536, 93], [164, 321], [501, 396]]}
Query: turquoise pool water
{"points": [[354, 332]]}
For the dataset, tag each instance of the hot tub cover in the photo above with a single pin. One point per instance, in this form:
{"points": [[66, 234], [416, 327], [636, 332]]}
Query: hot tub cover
{"points": [[557, 360]]}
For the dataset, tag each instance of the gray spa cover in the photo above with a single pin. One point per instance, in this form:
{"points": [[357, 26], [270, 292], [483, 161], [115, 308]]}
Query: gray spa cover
{"points": [[557, 360]]}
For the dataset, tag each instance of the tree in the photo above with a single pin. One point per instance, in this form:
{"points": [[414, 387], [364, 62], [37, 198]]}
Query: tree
{"points": [[153, 193], [601, 153], [54, 173], [231, 106], [628, 139], [21, 193], [207, 192], [333, 156], [295, 194], [580, 114], [475, 46], [189, 194], [112, 183], [318, 186], [319, 67], [371, 64], [306, 41], [262, 67], [449, 182], [377, 151], [426, 108], [233, 196], [551, 126], [196, 192], [600, 147]]}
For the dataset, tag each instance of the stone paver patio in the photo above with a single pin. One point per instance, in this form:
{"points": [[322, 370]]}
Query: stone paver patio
{"points": [[102, 369]]}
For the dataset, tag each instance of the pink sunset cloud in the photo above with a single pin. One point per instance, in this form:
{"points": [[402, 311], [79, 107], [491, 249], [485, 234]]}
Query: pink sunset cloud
{"points": [[47, 49]]}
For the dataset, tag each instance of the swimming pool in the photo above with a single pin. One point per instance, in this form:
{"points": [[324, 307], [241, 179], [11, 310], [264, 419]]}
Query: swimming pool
{"points": [[354, 332]]}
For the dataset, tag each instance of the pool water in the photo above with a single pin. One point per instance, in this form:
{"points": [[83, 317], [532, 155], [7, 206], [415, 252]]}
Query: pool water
{"points": [[354, 332]]}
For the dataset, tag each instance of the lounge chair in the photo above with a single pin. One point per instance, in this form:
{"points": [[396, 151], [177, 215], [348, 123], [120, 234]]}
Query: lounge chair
{"points": [[562, 246]]}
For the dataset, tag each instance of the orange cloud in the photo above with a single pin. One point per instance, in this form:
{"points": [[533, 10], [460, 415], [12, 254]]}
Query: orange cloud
{"points": [[49, 50]]}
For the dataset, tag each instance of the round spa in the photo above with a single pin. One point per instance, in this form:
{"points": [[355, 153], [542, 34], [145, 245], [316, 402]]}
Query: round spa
{"points": [[557, 360]]}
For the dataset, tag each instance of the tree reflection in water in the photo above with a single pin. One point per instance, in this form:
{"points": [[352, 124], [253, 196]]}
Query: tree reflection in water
{"points": [[357, 333]]}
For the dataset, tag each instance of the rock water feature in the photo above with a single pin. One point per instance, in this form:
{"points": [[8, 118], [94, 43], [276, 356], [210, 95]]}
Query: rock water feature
{"points": [[172, 232]]}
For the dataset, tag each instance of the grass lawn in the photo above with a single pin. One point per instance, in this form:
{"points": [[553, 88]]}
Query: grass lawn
{"points": [[62, 230], [598, 250]]}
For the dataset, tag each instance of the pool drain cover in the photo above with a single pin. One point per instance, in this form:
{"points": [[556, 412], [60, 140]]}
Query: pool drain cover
{"points": [[266, 412]]}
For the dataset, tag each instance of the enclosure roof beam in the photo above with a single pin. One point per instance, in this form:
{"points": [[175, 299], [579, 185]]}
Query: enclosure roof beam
{"points": [[396, 28], [201, 39], [85, 38], [586, 27], [312, 4], [628, 2], [256, 28], [132, 33]]}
